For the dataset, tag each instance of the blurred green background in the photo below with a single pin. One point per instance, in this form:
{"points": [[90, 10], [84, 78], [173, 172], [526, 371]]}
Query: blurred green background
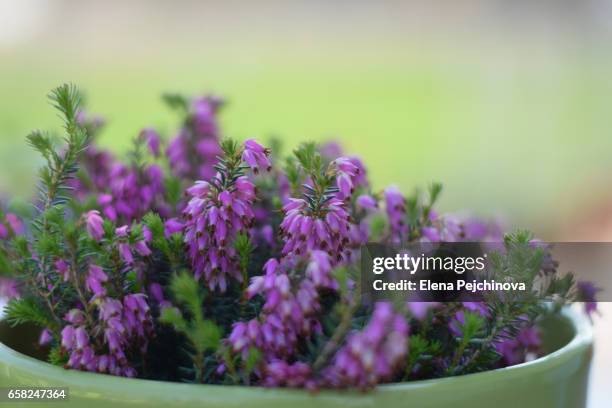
{"points": [[506, 103]]}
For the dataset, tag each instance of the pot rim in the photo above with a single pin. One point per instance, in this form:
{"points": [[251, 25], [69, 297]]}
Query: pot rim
{"points": [[94, 384]]}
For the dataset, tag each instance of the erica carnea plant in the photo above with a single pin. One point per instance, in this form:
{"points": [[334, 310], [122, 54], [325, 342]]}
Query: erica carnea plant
{"points": [[206, 260]]}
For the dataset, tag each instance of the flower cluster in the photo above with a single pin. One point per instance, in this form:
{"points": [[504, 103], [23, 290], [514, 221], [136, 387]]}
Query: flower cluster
{"points": [[327, 228], [586, 294], [213, 219], [395, 204], [372, 355], [515, 350], [97, 165], [10, 225], [193, 152], [346, 175], [132, 192], [289, 308], [125, 267], [124, 326], [123, 192], [217, 213]]}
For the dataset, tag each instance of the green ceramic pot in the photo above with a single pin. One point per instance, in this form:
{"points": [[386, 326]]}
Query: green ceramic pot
{"points": [[557, 380]]}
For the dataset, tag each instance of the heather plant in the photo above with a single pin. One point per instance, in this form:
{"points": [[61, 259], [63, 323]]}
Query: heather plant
{"points": [[211, 261]]}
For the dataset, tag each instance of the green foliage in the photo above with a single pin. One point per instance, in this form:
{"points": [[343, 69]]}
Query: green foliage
{"points": [[244, 248], [521, 262], [57, 357], [173, 316], [27, 310], [202, 334], [61, 165], [309, 158], [41, 142], [418, 347], [472, 325], [171, 248], [561, 287], [155, 224], [66, 99], [294, 175], [230, 147], [176, 102], [21, 247], [174, 190], [186, 290], [230, 166], [508, 314], [253, 358], [378, 226], [323, 182], [420, 351], [137, 155], [5, 264], [434, 190], [45, 295], [418, 208]]}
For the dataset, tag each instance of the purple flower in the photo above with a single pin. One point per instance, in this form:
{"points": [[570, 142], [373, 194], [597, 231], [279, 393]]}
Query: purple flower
{"points": [[89, 121], [280, 373], [97, 165], [126, 253], [267, 234], [122, 231], [214, 218], [94, 280], [396, 212], [8, 288], [329, 229], [586, 294], [450, 229], [68, 337], [420, 309], [475, 230], [147, 234], [346, 172], [45, 337], [135, 191], [14, 223], [330, 150], [289, 313], [157, 293], [193, 152], [256, 156], [142, 248], [110, 308], [172, 226], [75, 317], [137, 317], [81, 338], [63, 269], [94, 224], [319, 270], [515, 350], [372, 355], [361, 177], [151, 138], [367, 202], [431, 234], [121, 326]]}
